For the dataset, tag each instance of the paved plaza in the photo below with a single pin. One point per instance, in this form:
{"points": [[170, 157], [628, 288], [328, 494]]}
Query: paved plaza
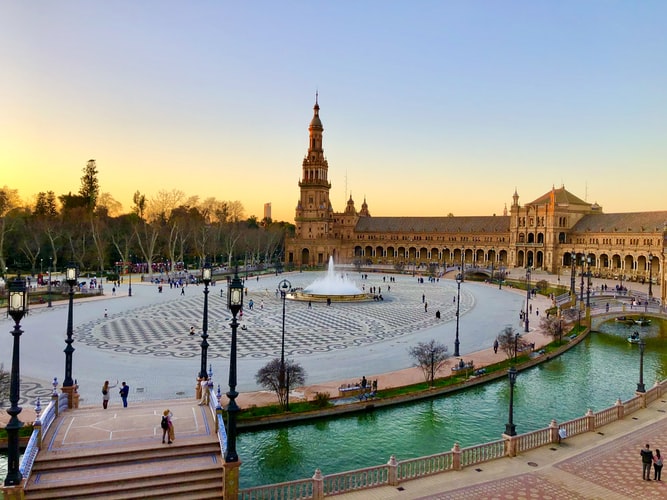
{"points": [[144, 339]]}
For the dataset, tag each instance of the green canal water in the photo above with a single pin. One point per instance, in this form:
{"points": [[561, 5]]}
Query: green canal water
{"points": [[603, 368]]}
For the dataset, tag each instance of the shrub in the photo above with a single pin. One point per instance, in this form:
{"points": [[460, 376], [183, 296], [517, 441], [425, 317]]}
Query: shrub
{"points": [[321, 399]]}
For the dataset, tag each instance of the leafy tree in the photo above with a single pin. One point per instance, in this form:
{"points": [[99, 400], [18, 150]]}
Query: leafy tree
{"points": [[542, 285], [139, 207], [45, 205], [9, 200], [430, 357], [509, 341], [90, 185], [72, 201], [269, 378]]}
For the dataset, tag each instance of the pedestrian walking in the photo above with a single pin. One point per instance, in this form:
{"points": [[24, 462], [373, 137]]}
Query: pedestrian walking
{"points": [[106, 315], [124, 391], [425, 306], [106, 388], [192, 330], [647, 461], [657, 465], [495, 346], [182, 290]]}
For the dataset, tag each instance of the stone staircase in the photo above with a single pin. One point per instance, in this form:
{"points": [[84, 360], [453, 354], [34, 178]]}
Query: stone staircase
{"points": [[136, 465]]}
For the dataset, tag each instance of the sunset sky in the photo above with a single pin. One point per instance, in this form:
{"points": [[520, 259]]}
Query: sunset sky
{"points": [[429, 107]]}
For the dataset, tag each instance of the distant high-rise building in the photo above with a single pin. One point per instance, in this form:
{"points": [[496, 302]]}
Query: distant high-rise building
{"points": [[267, 210]]}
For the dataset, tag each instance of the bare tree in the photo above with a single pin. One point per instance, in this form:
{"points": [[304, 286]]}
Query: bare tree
{"points": [[552, 326], [269, 378], [510, 342], [430, 357]]}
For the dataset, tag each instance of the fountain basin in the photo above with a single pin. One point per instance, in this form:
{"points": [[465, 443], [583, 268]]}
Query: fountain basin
{"points": [[316, 297]]}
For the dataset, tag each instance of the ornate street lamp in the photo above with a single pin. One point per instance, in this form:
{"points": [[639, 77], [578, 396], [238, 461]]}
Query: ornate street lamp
{"points": [[17, 307], [640, 385], [527, 296], [588, 283], [235, 303], [650, 276], [459, 279], [71, 276], [206, 278], [510, 428], [284, 286], [49, 289]]}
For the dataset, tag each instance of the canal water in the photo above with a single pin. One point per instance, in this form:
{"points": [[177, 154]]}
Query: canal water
{"points": [[603, 368]]}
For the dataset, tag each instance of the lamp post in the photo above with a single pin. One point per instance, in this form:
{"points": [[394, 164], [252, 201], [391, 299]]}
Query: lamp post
{"points": [[588, 283], [527, 296], [235, 298], [459, 279], [17, 306], [573, 262], [41, 262], [129, 288], [640, 385], [206, 278], [581, 294], [650, 276], [493, 252], [463, 263], [510, 428], [284, 286], [49, 289], [71, 274], [516, 346]]}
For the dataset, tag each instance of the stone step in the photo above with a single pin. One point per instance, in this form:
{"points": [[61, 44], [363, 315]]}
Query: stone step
{"points": [[157, 477], [88, 459], [182, 484]]}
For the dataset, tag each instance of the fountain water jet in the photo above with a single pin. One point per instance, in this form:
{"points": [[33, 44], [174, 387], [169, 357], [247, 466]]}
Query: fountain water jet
{"points": [[334, 287]]}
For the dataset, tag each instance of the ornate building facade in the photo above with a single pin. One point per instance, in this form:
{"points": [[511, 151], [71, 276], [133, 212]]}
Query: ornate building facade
{"points": [[551, 233]]}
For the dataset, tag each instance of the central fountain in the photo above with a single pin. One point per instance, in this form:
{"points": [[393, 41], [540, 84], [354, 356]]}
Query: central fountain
{"points": [[333, 287]]}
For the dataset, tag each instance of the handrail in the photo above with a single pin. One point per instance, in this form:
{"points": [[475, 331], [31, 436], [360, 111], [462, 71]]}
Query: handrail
{"points": [[41, 427]]}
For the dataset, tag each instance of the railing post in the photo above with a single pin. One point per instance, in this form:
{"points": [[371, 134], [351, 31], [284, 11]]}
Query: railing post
{"points": [[230, 479], [510, 445], [456, 457], [553, 431], [38, 423], [13, 492], [620, 409], [392, 471], [590, 420], [642, 399], [318, 485]]}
